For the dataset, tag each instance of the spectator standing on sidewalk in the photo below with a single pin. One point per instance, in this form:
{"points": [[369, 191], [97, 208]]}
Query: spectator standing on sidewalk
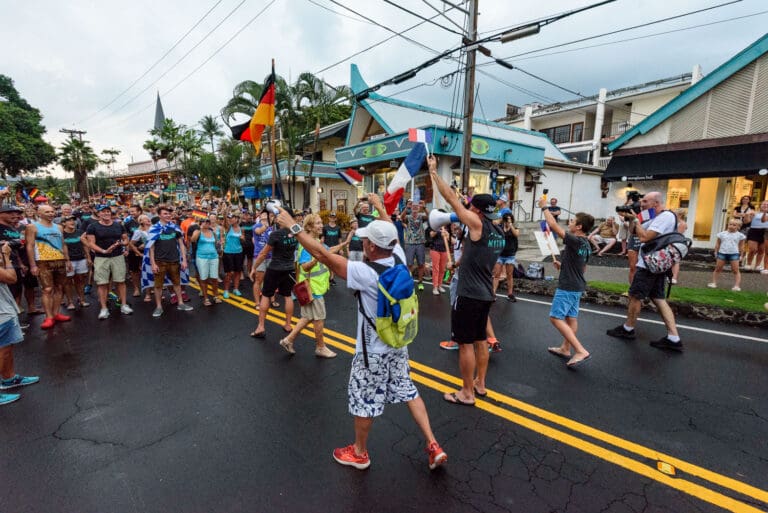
{"points": [[469, 315], [506, 261], [728, 249], [413, 229], [758, 229], [386, 379], [438, 254], [167, 256], [10, 330], [648, 285], [354, 243], [108, 239], [682, 226]]}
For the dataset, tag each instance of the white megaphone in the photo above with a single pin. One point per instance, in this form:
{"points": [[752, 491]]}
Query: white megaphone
{"points": [[272, 205], [438, 218]]}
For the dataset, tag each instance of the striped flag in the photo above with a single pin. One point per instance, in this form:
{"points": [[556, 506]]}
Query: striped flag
{"points": [[199, 214], [34, 193], [154, 194], [407, 170], [242, 132], [265, 112], [418, 135], [350, 176]]}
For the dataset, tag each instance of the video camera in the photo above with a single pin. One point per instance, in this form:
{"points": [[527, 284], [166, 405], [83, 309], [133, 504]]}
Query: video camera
{"points": [[633, 208]]}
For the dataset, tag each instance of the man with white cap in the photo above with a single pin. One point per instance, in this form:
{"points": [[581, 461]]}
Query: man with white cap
{"points": [[385, 377]]}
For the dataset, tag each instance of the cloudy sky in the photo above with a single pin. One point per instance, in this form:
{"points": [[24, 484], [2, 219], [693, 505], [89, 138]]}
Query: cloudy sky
{"points": [[80, 61]]}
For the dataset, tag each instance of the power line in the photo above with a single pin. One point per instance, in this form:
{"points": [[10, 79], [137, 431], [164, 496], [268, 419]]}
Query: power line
{"points": [[441, 13], [155, 64], [390, 2], [337, 12]]}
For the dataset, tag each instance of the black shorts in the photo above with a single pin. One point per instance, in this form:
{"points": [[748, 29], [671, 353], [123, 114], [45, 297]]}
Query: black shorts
{"points": [[233, 262], [29, 281], [248, 248], [468, 320], [134, 262], [647, 285], [16, 288], [633, 243], [756, 235], [280, 281]]}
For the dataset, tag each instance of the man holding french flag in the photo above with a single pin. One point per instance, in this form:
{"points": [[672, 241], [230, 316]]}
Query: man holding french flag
{"points": [[408, 169]]}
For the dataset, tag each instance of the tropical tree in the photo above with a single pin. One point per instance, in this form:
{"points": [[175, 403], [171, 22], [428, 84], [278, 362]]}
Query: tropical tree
{"points": [[154, 148], [210, 128], [168, 138], [77, 157], [22, 147], [110, 157]]}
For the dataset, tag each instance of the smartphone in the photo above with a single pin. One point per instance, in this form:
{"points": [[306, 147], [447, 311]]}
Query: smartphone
{"points": [[546, 191]]}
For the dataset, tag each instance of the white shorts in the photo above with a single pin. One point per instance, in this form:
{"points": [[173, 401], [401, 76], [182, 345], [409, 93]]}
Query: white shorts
{"points": [[603, 240], [386, 380], [78, 267], [207, 268]]}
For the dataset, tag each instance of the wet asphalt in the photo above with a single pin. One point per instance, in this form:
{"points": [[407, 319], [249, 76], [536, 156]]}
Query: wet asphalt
{"points": [[186, 413]]}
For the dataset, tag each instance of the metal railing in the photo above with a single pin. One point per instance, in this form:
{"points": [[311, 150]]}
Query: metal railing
{"points": [[519, 212]]}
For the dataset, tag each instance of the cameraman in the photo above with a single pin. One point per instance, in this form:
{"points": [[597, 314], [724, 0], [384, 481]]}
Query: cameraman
{"points": [[628, 213], [648, 285]]}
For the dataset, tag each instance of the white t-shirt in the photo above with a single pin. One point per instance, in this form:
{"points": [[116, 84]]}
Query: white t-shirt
{"points": [[663, 223], [729, 242], [361, 277]]}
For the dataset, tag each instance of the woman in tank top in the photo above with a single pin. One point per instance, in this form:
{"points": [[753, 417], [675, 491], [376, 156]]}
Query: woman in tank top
{"points": [[233, 255]]}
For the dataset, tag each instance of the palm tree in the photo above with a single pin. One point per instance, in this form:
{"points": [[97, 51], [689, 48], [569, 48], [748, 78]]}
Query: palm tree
{"points": [[191, 146], [154, 148], [210, 128], [111, 157], [77, 157]]}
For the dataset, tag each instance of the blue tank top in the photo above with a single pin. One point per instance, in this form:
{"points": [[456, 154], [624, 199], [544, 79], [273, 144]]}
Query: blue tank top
{"points": [[49, 242], [206, 247], [233, 244]]}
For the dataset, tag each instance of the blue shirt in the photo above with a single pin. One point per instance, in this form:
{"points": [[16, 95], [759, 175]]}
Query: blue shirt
{"points": [[232, 243], [206, 247]]}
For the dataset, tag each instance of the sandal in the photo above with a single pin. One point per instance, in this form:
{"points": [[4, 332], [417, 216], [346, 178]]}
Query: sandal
{"points": [[259, 334], [207, 302], [147, 299], [217, 300], [275, 304]]}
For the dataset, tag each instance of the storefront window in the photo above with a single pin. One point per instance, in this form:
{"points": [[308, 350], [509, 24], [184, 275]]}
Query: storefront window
{"points": [[678, 194]]}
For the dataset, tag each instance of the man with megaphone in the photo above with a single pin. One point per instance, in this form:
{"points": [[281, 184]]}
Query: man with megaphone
{"points": [[469, 313]]}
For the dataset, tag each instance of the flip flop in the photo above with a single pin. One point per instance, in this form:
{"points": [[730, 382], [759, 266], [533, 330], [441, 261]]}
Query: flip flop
{"points": [[261, 334], [555, 351], [477, 393], [287, 330], [572, 365], [454, 399]]}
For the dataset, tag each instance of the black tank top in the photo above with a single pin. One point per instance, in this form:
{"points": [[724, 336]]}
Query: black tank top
{"points": [[477, 261]]}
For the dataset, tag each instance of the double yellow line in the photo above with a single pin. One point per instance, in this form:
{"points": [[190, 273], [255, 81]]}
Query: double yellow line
{"points": [[647, 462]]}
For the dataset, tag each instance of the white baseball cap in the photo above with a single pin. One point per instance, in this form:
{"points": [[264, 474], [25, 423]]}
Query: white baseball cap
{"points": [[381, 233]]}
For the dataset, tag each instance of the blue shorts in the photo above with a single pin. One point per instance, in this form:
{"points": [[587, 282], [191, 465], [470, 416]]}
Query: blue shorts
{"points": [[727, 257], [565, 304], [509, 260], [10, 332]]}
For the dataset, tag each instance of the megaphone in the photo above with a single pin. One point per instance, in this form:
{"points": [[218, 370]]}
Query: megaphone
{"points": [[272, 205], [438, 218]]}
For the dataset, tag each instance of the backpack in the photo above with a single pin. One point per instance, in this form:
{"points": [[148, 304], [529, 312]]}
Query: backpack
{"points": [[663, 252], [397, 308], [518, 272], [535, 271]]}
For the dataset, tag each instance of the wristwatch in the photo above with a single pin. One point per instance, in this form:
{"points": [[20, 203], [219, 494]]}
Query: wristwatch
{"points": [[296, 229]]}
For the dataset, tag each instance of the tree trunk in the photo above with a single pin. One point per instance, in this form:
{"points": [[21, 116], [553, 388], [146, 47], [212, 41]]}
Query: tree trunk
{"points": [[81, 178]]}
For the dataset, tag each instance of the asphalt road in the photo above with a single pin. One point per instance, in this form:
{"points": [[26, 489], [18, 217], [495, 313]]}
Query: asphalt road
{"points": [[186, 413]]}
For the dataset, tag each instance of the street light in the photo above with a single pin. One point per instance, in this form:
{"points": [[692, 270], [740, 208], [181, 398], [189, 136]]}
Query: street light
{"points": [[520, 33]]}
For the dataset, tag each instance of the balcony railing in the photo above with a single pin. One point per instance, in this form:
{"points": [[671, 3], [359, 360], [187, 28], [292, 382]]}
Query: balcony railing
{"points": [[618, 128]]}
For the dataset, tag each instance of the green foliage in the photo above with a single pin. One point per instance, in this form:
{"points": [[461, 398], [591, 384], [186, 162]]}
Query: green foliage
{"points": [[724, 298], [210, 128], [78, 157], [22, 147]]}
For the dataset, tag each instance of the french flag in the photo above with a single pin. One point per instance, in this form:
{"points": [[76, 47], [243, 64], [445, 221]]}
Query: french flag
{"points": [[418, 135], [350, 176], [407, 170], [647, 215]]}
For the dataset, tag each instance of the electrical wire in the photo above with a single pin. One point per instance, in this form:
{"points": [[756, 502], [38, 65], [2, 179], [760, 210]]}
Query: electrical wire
{"points": [[390, 2], [156, 62], [337, 12], [443, 15]]}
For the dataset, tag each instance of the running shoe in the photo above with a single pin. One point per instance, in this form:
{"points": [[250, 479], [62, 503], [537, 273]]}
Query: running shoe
{"points": [[113, 297], [126, 310], [420, 286], [437, 456], [48, 323], [237, 292], [511, 298], [436, 291], [18, 381], [620, 332], [324, 352], [8, 398], [184, 307], [157, 313], [184, 295], [103, 314], [665, 343], [87, 289], [449, 345], [225, 295], [347, 456], [62, 318]]}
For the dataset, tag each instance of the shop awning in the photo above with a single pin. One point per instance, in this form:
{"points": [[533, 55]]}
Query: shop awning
{"points": [[701, 159]]}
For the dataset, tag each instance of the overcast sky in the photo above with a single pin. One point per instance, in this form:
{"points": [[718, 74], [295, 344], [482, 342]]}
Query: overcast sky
{"points": [[71, 59]]}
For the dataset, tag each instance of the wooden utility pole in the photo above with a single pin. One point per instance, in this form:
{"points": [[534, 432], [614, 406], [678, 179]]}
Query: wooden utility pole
{"points": [[80, 134], [469, 99]]}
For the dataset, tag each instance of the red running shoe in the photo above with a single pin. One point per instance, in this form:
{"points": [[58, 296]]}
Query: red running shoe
{"points": [[48, 323], [348, 456], [436, 455], [62, 318]]}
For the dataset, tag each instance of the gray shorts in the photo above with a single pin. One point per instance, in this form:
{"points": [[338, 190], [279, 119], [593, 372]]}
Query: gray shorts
{"points": [[314, 311], [414, 251], [262, 268], [386, 380]]}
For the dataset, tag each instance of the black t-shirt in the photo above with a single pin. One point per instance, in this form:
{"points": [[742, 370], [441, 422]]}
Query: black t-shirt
{"points": [[283, 250], [85, 221], [74, 245], [190, 232], [364, 220], [555, 212], [573, 263], [248, 232], [510, 244], [167, 246], [13, 234], [331, 235], [131, 226], [105, 236]]}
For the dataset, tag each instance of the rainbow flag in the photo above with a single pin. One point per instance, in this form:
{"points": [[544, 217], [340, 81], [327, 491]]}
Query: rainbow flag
{"points": [[154, 194]]}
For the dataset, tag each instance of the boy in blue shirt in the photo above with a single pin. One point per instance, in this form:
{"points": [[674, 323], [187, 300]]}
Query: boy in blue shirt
{"points": [[565, 305]]}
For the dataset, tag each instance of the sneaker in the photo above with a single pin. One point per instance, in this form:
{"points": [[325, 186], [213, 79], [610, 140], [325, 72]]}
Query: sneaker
{"points": [[333, 281], [449, 345], [760, 268], [324, 352], [126, 310], [442, 289], [420, 286], [736, 289], [287, 345], [85, 304], [620, 332], [237, 292], [225, 295], [184, 296], [103, 314], [174, 299], [158, 312], [437, 456], [62, 318], [184, 307], [748, 267], [18, 381], [113, 297], [665, 343], [712, 285], [673, 281], [87, 289], [511, 298], [8, 398], [764, 271], [435, 292], [347, 456], [48, 323]]}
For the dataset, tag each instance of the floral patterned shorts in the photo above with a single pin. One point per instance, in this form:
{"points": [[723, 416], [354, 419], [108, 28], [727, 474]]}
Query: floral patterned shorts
{"points": [[386, 380]]}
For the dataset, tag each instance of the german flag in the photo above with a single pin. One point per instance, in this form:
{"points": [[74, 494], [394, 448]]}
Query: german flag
{"points": [[242, 132], [154, 194], [265, 112], [199, 214], [34, 193]]}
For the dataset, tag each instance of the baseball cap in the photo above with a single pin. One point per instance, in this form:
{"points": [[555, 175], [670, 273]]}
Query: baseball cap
{"points": [[10, 208], [381, 233], [102, 207], [333, 214], [503, 198], [486, 205]]}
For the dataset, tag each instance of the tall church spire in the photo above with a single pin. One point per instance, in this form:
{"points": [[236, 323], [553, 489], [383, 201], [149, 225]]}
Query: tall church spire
{"points": [[159, 115]]}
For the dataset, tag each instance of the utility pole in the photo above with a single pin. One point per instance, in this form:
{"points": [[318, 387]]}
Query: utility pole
{"points": [[80, 134], [469, 98]]}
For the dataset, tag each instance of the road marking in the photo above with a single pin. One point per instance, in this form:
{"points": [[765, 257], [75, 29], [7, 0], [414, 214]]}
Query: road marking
{"points": [[346, 344], [653, 321]]}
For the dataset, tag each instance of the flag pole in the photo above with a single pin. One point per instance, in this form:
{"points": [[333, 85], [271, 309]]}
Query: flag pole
{"points": [[272, 154]]}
